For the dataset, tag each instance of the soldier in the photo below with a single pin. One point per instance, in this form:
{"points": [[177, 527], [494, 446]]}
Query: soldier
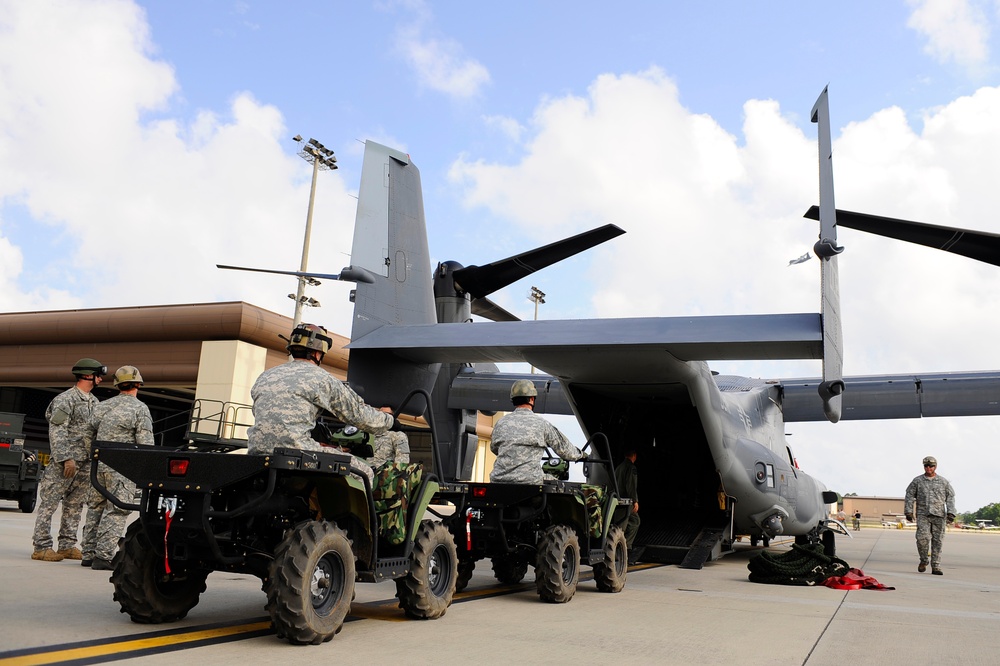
{"points": [[123, 418], [520, 437], [935, 500], [393, 446], [627, 476], [67, 476], [288, 398]]}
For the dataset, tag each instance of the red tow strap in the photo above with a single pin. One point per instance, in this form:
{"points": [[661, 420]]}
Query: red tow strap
{"points": [[168, 515], [854, 579]]}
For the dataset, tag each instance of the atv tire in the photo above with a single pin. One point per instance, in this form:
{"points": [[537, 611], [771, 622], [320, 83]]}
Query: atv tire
{"points": [[310, 583], [427, 590], [557, 572], [26, 502], [143, 588], [464, 575], [610, 575], [509, 570]]}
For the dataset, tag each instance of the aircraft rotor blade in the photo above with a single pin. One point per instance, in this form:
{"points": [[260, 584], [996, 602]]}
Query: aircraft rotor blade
{"points": [[487, 309], [348, 274], [480, 281], [977, 245]]}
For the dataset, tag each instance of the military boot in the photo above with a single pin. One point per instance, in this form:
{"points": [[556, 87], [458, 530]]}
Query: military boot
{"points": [[47, 555], [937, 572], [922, 567], [101, 565], [70, 553]]}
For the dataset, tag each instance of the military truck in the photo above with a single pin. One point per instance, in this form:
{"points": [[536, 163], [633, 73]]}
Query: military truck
{"points": [[554, 527], [20, 468], [301, 521]]}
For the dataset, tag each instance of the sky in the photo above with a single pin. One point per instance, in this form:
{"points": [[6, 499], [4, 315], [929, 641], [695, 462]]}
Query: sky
{"points": [[142, 143]]}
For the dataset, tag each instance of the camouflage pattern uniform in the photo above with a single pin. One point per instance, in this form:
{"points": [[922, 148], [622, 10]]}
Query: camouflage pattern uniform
{"points": [[627, 475], [935, 499], [392, 446], [519, 441], [123, 418], [288, 398], [69, 439]]}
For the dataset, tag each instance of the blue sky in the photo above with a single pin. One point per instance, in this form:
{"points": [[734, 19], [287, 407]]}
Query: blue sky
{"points": [[147, 139]]}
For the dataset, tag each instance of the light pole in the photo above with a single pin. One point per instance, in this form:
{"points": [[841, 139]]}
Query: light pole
{"points": [[538, 296], [322, 159]]}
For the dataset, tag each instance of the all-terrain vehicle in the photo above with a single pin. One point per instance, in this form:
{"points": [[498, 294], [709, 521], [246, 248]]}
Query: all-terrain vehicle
{"points": [[20, 468], [554, 526], [298, 520]]}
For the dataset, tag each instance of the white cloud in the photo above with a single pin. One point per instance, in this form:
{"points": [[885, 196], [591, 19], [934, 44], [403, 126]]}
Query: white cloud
{"points": [[138, 208], [441, 65], [712, 221], [630, 154], [956, 30], [510, 127]]}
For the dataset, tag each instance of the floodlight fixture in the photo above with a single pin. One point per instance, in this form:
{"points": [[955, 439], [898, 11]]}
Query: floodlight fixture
{"points": [[322, 159]]}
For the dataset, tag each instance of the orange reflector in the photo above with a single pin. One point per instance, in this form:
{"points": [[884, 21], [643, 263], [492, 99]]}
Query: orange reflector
{"points": [[177, 466], [479, 491]]}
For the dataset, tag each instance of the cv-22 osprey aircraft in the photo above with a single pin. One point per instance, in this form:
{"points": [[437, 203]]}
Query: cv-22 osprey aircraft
{"points": [[645, 383]]}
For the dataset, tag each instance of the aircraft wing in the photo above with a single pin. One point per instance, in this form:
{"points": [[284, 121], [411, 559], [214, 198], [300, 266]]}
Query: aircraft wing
{"points": [[604, 350], [870, 397], [899, 396]]}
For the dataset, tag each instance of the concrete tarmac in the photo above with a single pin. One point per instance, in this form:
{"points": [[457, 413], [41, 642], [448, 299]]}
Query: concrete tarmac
{"points": [[60, 613]]}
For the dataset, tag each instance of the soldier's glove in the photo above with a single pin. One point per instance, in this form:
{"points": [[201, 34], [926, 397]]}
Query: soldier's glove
{"points": [[909, 517], [951, 517]]}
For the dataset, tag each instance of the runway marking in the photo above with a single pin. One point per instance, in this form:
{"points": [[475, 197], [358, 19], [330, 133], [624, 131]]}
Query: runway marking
{"points": [[170, 640], [137, 645]]}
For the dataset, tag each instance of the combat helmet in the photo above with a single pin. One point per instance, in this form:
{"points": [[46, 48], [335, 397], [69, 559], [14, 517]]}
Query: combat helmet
{"points": [[310, 336], [127, 374], [523, 388], [89, 366]]}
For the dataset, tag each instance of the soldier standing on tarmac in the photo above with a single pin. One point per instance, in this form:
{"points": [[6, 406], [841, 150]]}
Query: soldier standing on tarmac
{"points": [[123, 418], [67, 476], [627, 476], [288, 398], [935, 503], [520, 437]]}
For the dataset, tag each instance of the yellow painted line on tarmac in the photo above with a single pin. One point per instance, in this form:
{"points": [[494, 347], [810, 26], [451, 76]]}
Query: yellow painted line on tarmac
{"points": [[386, 611], [120, 648], [130, 647]]}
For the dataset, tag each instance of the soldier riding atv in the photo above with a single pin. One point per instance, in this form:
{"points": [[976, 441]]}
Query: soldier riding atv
{"points": [[540, 518], [305, 519]]}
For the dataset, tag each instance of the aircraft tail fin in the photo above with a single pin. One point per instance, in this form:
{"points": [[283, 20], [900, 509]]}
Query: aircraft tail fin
{"points": [[390, 242], [827, 250]]}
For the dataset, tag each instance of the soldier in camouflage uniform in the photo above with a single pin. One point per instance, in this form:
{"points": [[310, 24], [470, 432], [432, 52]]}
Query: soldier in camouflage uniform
{"points": [[935, 504], [520, 438], [288, 398], [67, 476], [627, 476], [123, 418], [391, 446]]}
